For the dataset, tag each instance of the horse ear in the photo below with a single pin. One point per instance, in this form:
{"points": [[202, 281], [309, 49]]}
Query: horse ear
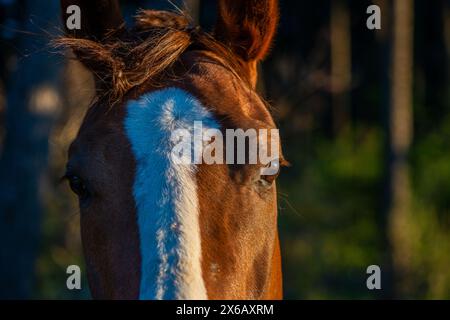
{"points": [[247, 26], [100, 25], [98, 18]]}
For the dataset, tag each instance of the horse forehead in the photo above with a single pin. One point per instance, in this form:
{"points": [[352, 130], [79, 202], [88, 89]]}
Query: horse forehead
{"points": [[98, 137], [222, 91], [218, 90]]}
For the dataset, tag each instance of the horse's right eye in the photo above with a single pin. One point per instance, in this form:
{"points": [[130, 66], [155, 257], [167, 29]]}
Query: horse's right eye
{"points": [[78, 186]]}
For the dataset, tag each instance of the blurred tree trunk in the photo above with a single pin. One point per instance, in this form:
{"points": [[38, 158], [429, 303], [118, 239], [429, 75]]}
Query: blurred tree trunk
{"points": [[341, 63], [32, 100], [446, 13], [2, 112], [400, 131], [383, 37], [446, 33]]}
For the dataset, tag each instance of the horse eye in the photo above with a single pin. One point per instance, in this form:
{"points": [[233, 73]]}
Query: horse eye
{"points": [[78, 186], [270, 177]]}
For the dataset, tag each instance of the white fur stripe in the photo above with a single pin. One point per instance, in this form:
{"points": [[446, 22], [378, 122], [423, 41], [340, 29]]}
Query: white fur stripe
{"points": [[166, 195]]}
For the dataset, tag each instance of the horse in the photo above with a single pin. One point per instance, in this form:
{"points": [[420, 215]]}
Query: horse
{"points": [[152, 228]]}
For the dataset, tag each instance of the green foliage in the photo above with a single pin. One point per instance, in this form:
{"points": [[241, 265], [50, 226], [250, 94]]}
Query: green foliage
{"points": [[329, 231], [431, 172], [431, 176], [330, 211], [60, 248]]}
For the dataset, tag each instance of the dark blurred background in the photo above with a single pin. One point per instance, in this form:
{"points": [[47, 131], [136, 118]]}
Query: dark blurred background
{"points": [[365, 121]]}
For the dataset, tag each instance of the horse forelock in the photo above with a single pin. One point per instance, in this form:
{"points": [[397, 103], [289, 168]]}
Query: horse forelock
{"points": [[145, 54]]}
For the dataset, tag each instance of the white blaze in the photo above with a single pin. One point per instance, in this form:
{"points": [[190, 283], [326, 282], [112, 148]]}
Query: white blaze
{"points": [[165, 194]]}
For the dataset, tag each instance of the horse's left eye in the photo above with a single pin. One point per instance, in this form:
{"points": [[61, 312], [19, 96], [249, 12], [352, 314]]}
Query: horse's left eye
{"points": [[78, 186]]}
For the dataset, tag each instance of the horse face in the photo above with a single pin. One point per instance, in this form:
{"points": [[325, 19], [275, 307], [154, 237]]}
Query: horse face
{"points": [[155, 227]]}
